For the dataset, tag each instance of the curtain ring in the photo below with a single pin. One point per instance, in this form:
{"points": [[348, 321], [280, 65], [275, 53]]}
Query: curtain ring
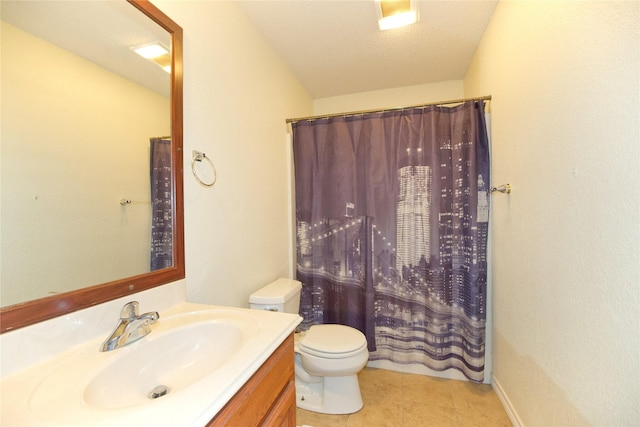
{"points": [[199, 157]]}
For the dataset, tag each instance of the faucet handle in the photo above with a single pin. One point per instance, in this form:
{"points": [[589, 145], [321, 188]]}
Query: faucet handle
{"points": [[130, 310]]}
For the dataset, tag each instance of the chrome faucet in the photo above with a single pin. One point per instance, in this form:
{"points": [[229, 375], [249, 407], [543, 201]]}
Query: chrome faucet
{"points": [[131, 327]]}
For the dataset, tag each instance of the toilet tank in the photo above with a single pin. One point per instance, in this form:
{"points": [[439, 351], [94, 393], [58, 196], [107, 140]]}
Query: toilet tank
{"points": [[281, 295]]}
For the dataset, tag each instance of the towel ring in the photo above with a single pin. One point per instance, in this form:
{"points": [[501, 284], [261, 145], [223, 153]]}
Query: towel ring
{"points": [[199, 157]]}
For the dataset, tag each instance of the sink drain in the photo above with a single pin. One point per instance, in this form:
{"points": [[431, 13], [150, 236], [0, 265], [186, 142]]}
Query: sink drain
{"points": [[159, 391]]}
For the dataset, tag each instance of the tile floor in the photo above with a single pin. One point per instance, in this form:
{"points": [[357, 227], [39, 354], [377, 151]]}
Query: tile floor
{"points": [[395, 399]]}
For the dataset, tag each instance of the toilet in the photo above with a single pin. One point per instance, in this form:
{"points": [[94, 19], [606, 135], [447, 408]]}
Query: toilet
{"points": [[327, 357]]}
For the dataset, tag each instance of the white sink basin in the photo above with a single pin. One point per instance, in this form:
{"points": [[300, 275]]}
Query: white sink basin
{"points": [[195, 357], [167, 363]]}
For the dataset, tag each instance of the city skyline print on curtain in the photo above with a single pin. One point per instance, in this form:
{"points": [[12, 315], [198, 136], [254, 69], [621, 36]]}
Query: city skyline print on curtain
{"points": [[161, 204], [392, 215]]}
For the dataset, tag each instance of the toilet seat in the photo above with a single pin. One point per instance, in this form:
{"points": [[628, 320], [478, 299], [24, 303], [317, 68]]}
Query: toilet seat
{"points": [[333, 341]]}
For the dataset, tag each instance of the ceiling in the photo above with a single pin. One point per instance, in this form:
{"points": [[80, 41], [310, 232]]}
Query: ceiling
{"points": [[335, 47]]}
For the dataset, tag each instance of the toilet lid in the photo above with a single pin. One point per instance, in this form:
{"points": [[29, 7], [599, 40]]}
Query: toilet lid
{"points": [[333, 341]]}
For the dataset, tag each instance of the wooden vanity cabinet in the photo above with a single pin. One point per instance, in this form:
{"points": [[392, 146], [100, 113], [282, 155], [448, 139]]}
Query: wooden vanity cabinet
{"points": [[269, 397]]}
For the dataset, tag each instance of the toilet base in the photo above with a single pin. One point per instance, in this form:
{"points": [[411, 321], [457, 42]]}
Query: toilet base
{"points": [[333, 395]]}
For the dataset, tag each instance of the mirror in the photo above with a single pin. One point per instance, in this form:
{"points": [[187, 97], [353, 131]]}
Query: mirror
{"points": [[63, 188]]}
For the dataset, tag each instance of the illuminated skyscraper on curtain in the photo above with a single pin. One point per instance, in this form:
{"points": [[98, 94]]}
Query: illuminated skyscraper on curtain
{"points": [[412, 228]]}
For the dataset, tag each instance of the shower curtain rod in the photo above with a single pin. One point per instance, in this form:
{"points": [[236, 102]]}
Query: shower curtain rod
{"points": [[382, 110]]}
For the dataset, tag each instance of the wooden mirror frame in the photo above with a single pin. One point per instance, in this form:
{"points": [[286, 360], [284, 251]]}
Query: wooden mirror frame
{"points": [[30, 312]]}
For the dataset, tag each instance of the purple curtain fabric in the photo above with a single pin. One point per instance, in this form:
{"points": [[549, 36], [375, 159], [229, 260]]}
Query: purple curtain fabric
{"points": [[161, 204], [392, 214]]}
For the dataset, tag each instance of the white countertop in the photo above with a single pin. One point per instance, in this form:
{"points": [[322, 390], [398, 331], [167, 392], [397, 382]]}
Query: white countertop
{"points": [[192, 406]]}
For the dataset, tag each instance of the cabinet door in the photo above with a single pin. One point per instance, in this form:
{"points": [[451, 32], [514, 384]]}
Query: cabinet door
{"points": [[283, 412], [269, 389]]}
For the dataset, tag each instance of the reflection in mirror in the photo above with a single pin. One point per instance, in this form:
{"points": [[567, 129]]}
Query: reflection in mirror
{"points": [[91, 156]]}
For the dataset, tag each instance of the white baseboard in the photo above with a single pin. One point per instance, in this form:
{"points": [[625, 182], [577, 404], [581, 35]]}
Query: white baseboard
{"points": [[508, 407]]}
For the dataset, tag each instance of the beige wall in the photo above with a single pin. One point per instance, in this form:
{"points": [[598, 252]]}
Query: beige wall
{"points": [[71, 149], [237, 95], [390, 98], [566, 264]]}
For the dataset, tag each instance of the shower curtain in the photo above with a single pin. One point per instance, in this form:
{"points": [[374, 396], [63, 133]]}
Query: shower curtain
{"points": [[161, 204], [392, 214]]}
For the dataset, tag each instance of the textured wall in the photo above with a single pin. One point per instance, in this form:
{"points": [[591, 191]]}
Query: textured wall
{"points": [[390, 98], [237, 94], [564, 77]]}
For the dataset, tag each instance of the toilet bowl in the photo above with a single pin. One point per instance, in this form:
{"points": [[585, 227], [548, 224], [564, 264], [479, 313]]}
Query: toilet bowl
{"points": [[327, 357]]}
